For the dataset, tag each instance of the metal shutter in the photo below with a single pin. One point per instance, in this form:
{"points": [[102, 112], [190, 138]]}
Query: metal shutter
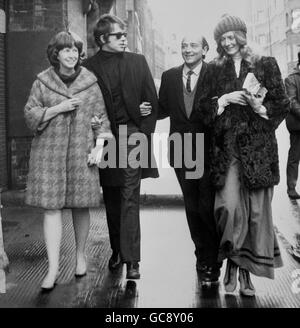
{"points": [[3, 149]]}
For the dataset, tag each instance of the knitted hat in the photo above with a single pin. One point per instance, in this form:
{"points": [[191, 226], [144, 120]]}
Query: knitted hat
{"points": [[229, 23]]}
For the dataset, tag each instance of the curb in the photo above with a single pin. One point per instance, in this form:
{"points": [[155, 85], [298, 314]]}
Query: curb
{"points": [[16, 198]]}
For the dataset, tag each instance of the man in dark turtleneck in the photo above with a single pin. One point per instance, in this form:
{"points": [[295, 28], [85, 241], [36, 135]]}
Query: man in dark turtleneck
{"points": [[131, 101]]}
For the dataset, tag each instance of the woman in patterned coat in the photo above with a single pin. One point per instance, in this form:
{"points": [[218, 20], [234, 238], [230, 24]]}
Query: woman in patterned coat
{"points": [[64, 99], [244, 154]]}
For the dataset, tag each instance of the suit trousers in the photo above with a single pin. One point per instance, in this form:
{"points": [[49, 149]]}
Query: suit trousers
{"points": [[122, 205], [199, 197], [293, 160]]}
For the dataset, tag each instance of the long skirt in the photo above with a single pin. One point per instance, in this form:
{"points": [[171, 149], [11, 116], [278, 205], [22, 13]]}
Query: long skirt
{"points": [[245, 226]]}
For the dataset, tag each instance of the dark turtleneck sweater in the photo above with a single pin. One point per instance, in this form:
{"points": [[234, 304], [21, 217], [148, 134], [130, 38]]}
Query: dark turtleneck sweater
{"points": [[111, 62], [68, 79]]}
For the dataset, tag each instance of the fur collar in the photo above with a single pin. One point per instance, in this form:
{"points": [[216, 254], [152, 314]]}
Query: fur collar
{"points": [[52, 81]]}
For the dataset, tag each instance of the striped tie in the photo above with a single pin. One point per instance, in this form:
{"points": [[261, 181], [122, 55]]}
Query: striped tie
{"points": [[188, 82]]}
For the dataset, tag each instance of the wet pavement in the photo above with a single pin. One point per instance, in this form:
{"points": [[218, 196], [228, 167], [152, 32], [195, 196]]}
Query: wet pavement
{"points": [[168, 275]]}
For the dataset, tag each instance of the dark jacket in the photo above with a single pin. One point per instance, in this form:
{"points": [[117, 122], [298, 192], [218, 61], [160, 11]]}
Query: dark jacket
{"points": [[171, 104], [292, 84], [137, 87], [239, 131]]}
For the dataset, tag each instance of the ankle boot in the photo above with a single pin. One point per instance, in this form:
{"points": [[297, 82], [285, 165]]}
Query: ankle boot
{"points": [[230, 278], [246, 286], [133, 270]]}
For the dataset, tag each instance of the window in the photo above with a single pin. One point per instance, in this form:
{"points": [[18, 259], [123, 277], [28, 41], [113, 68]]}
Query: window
{"points": [[36, 15], [260, 15], [262, 39]]}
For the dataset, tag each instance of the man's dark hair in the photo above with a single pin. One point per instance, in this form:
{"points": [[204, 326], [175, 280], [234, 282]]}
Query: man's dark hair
{"points": [[299, 58], [104, 27]]}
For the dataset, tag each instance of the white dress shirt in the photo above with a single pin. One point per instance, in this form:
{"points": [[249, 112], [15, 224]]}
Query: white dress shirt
{"points": [[194, 76]]}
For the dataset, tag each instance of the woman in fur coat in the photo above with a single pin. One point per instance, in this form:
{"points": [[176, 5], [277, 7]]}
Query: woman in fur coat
{"points": [[244, 153], [64, 99]]}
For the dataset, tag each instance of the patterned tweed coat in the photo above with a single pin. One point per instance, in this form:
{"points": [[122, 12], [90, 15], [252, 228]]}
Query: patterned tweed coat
{"points": [[239, 131], [59, 176]]}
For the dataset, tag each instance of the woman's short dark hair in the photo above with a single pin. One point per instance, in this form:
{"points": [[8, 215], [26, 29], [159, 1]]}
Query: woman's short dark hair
{"points": [[104, 27], [64, 40]]}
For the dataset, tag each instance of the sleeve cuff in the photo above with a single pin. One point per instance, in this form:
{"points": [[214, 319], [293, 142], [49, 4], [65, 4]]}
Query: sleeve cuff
{"points": [[222, 103]]}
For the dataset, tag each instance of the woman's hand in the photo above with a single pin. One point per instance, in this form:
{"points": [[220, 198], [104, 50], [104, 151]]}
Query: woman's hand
{"points": [[236, 97], [69, 105], [145, 108]]}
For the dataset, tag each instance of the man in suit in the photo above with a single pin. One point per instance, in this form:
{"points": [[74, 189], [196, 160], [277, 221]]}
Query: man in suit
{"points": [[128, 88], [292, 83], [179, 94]]}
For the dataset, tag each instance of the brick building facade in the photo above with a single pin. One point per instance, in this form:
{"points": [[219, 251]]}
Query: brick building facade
{"points": [[293, 32], [273, 25]]}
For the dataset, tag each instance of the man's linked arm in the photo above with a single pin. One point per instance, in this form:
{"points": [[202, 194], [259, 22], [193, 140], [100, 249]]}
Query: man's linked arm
{"points": [[163, 110], [149, 94]]}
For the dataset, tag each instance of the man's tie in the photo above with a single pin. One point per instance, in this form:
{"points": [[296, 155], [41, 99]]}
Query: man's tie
{"points": [[188, 81]]}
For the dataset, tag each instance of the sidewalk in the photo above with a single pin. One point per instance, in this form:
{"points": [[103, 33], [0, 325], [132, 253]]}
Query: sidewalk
{"points": [[168, 275], [286, 213]]}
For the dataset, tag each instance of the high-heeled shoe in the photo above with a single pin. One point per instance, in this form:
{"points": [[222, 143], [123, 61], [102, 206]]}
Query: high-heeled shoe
{"points": [[81, 273], [246, 286], [230, 278], [48, 286]]}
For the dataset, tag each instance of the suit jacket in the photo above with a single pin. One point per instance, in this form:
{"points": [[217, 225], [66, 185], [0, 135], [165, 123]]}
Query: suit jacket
{"points": [[171, 104], [292, 84], [137, 87]]}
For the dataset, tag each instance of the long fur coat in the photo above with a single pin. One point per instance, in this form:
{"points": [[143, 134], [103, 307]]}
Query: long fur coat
{"points": [[239, 131]]}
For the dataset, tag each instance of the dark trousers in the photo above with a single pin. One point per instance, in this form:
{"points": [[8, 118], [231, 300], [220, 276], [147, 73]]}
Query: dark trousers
{"points": [[293, 160], [199, 198], [122, 205], [123, 216]]}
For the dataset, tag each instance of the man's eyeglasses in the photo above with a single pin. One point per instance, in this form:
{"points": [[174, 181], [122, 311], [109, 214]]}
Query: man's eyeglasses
{"points": [[119, 35]]}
